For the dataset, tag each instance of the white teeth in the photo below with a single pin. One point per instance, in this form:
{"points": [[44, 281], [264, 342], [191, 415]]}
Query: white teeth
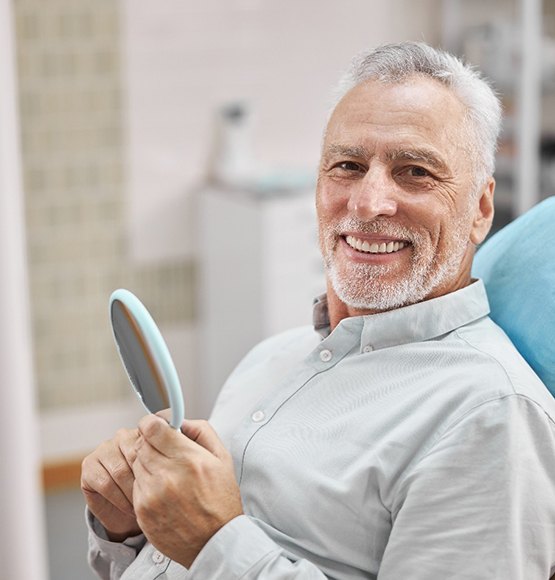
{"points": [[374, 248]]}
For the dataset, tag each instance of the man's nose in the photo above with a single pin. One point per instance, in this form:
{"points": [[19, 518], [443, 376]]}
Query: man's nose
{"points": [[374, 196]]}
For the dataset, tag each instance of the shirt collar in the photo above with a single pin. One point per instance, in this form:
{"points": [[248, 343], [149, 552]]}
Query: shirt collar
{"points": [[414, 323], [320, 315]]}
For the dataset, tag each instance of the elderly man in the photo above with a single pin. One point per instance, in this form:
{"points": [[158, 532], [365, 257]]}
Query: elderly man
{"points": [[406, 437]]}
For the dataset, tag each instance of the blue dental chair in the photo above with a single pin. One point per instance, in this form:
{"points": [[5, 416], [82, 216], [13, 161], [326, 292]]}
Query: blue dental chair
{"points": [[517, 266]]}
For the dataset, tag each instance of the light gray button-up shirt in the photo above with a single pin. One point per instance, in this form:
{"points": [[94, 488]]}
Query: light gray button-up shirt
{"points": [[414, 443]]}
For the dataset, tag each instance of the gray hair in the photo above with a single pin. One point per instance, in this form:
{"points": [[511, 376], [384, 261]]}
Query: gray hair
{"points": [[396, 63]]}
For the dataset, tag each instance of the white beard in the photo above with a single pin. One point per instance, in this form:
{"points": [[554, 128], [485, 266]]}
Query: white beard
{"points": [[365, 286]]}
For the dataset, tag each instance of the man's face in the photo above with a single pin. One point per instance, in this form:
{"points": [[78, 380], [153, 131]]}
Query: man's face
{"points": [[398, 211]]}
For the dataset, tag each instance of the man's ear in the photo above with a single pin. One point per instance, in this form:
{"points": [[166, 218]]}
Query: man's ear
{"points": [[484, 213]]}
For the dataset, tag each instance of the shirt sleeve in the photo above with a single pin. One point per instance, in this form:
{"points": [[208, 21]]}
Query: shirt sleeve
{"points": [[480, 504], [110, 559], [241, 550]]}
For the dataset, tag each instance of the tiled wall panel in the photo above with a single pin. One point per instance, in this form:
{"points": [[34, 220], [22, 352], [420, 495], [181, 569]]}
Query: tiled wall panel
{"points": [[70, 81]]}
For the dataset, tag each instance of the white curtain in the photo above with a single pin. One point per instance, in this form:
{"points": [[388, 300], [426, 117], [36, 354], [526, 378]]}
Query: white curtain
{"points": [[22, 546]]}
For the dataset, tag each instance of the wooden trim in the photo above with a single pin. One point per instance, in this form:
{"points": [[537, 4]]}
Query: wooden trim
{"points": [[61, 475]]}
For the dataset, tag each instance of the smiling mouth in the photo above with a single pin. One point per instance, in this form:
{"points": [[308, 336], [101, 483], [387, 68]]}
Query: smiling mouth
{"points": [[374, 247]]}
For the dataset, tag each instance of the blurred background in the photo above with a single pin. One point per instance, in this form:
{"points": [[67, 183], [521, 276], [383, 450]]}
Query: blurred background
{"points": [[171, 148]]}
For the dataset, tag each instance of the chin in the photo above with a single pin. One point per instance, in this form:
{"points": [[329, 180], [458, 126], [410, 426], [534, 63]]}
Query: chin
{"points": [[370, 289]]}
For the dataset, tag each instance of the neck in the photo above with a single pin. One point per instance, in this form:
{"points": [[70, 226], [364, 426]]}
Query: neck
{"points": [[338, 310]]}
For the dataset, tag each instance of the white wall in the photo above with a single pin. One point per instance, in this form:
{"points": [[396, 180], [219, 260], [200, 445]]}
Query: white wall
{"points": [[22, 550], [182, 59]]}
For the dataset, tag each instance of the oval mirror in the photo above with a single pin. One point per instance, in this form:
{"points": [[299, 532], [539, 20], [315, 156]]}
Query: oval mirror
{"points": [[145, 356]]}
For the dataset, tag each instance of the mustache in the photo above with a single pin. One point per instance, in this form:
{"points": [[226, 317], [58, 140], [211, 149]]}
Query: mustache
{"points": [[377, 226]]}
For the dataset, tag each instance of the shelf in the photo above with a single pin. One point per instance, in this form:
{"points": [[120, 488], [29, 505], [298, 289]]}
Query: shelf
{"points": [[504, 41]]}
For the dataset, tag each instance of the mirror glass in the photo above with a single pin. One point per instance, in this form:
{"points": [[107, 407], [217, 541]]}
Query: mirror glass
{"points": [[145, 356]]}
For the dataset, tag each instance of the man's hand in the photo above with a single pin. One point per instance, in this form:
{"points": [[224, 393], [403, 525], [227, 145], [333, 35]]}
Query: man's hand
{"points": [[185, 488], [107, 484]]}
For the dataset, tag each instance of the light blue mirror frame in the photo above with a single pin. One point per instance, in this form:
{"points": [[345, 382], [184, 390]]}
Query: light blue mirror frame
{"points": [[153, 340]]}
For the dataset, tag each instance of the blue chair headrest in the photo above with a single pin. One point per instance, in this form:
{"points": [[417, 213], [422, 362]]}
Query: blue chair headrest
{"points": [[517, 266]]}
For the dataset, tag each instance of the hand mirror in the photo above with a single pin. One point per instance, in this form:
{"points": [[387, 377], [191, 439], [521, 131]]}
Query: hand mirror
{"points": [[145, 356]]}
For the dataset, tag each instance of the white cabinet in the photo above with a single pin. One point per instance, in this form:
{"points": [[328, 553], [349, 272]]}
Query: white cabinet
{"points": [[259, 270]]}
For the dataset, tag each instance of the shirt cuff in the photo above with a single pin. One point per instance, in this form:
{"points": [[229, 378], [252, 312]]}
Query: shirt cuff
{"points": [[98, 538], [234, 550]]}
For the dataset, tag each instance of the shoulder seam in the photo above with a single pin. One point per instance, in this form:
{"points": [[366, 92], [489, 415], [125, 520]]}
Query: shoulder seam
{"points": [[490, 356], [487, 402]]}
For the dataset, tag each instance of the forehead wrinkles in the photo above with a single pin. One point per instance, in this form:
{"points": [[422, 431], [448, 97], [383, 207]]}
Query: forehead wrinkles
{"points": [[404, 143], [448, 116]]}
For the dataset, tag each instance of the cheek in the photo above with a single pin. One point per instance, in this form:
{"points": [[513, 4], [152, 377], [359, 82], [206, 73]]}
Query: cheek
{"points": [[330, 201], [328, 213], [439, 214], [450, 238]]}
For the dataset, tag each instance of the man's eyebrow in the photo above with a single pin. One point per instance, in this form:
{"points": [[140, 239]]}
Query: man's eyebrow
{"points": [[423, 155], [346, 151]]}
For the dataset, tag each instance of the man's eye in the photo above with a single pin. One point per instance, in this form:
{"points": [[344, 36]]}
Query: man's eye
{"points": [[349, 166], [416, 171]]}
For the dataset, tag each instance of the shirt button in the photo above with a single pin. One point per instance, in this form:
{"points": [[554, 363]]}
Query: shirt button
{"points": [[258, 416], [158, 557], [325, 355], [367, 348]]}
